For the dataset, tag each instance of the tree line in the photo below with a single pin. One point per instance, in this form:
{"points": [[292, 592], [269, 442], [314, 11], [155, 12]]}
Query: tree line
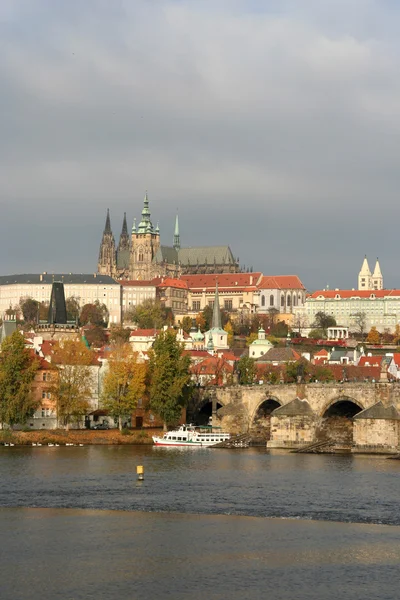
{"points": [[163, 383]]}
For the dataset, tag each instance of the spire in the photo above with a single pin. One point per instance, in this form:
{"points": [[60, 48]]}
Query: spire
{"points": [[210, 343], [364, 276], [365, 270], [134, 226], [124, 226], [216, 318], [377, 270], [124, 242], [145, 225], [107, 228], [177, 242]]}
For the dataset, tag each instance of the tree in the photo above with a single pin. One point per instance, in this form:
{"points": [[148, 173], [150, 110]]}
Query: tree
{"points": [[396, 334], [17, 372], [169, 377], [96, 314], [323, 321], [300, 322], [73, 308], [297, 371], [124, 383], [43, 311], [251, 338], [72, 388], [95, 335], [374, 336], [29, 309], [387, 337], [200, 321], [229, 329], [187, 324], [151, 314], [247, 370], [321, 373], [316, 334], [272, 316], [119, 335], [280, 329], [207, 313], [359, 322]]}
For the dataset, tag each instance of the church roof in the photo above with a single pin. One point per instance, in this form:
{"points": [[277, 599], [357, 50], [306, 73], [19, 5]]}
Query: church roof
{"points": [[167, 254], [234, 281], [221, 255], [278, 282]]}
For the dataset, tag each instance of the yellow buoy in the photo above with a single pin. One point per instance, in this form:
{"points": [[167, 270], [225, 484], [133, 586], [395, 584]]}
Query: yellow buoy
{"points": [[140, 472]]}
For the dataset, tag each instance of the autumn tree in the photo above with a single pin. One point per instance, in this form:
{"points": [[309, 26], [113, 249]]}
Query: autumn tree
{"points": [[300, 322], [30, 309], [95, 335], [151, 314], [96, 314], [72, 388], [373, 336], [200, 321], [124, 382], [229, 329], [169, 377], [119, 335], [280, 329], [43, 311], [246, 368], [251, 338], [73, 308], [298, 371], [17, 372], [359, 323]]}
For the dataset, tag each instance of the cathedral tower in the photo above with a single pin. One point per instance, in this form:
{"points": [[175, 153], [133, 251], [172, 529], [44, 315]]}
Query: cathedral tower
{"points": [[144, 246], [377, 277], [107, 256], [364, 276]]}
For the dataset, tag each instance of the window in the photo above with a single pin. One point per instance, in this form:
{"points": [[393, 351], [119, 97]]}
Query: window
{"points": [[228, 304], [43, 394], [262, 300], [288, 300], [196, 305], [211, 303], [140, 402], [44, 376], [271, 300], [282, 300]]}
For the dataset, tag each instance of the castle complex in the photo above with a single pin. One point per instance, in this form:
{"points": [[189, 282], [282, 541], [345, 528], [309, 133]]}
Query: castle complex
{"points": [[142, 257]]}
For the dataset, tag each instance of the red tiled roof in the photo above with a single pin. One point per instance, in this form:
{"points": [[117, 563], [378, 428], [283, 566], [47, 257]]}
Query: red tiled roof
{"points": [[169, 282], [226, 281], [354, 293], [210, 365], [47, 347], [144, 332], [279, 282], [396, 358], [321, 353], [370, 361]]}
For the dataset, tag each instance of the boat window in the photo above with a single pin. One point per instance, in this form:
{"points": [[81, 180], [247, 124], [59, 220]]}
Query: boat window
{"points": [[174, 437], [179, 438]]}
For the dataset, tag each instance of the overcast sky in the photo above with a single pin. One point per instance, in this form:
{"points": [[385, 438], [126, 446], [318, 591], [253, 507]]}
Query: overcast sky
{"points": [[273, 126]]}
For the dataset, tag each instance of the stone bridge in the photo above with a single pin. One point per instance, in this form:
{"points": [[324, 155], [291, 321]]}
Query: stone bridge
{"points": [[295, 415]]}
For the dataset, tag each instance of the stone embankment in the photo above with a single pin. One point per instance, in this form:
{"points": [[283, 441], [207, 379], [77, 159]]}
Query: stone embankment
{"points": [[78, 436]]}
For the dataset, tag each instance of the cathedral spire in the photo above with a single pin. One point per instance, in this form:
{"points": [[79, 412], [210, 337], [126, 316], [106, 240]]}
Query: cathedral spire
{"points": [[107, 228], [145, 225], [124, 226], [124, 241], [216, 318], [177, 241], [377, 277]]}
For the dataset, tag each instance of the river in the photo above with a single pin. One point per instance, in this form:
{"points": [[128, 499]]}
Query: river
{"points": [[204, 523]]}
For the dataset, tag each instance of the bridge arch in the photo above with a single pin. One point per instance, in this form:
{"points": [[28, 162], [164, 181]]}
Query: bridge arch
{"points": [[337, 420], [261, 419], [205, 407]]}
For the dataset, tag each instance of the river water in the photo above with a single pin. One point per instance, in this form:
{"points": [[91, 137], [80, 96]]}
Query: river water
{"points": [[205, 523]]}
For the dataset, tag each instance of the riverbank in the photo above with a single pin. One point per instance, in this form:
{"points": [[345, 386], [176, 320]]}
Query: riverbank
{"points": [[79, 436]]}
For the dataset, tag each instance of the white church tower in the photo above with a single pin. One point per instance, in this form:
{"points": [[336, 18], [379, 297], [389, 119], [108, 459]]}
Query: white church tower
{"points": [[369, 281]]}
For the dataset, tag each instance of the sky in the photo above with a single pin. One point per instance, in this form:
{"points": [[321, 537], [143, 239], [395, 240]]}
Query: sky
{"points": [[271, 126]]}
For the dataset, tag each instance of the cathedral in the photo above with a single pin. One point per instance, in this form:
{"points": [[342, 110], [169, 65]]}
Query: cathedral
{"points": [[141, 255], [368, 280]]}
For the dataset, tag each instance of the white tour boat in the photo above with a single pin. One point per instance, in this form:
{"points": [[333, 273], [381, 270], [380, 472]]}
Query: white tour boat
{"points": [[192, 435]]}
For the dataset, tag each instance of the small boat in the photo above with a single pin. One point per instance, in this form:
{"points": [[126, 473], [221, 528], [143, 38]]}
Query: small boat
{"points": [[193, 436]]}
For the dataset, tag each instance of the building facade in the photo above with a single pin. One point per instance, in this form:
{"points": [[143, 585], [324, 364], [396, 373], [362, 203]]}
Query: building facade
{"points": [[141, 256], [86, 288]]}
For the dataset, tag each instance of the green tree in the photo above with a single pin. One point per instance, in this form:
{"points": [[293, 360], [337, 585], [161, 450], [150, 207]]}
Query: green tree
{"points": [[29, 309], [73, 386], [207, 313], [323, 321], [186, 324], [169, 377], [73, 308], [96, 314], [17, 372], [124, 383], [280, 329], [151, 314], [43, 311], [321, 373], [316, 334], [251, 338], [297, 371], [247, 370]]}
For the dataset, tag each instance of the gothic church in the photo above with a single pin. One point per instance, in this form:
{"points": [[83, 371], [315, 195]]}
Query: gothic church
{"points": [[141, 255]]}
